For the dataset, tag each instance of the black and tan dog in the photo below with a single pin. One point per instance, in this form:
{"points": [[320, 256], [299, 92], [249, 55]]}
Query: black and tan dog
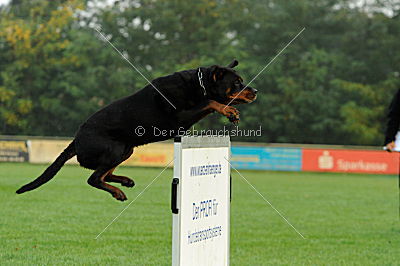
{"points": [[108, 137]]}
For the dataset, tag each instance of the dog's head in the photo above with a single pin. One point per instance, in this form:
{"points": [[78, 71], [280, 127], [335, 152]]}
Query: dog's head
{"points": [[228, 86]]}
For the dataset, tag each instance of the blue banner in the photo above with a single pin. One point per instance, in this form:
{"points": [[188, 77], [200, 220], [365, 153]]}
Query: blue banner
{"points": [[260, 158]]}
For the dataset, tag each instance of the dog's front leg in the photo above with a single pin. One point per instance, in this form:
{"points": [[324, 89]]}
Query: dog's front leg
{"points": [[231, 112], [191, 116], [188, 117]]}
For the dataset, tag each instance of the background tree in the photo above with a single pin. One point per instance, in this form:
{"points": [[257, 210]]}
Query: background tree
{"points": [[332, 85]]}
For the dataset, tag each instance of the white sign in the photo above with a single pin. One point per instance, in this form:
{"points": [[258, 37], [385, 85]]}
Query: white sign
{"points": [[201, 219], [397, 142]]}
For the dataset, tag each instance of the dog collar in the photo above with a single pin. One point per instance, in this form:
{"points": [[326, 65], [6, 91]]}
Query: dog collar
{"points": [[200, 76]]}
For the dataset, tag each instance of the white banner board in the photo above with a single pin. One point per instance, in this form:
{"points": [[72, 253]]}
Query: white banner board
{"points": [[397, 142], [202, 205]]}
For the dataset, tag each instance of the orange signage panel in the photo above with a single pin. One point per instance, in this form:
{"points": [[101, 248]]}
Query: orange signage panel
{"points": [[354, 161]]}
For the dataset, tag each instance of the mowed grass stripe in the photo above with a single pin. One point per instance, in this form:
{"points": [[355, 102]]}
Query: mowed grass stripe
{"points": [[347, 219]]}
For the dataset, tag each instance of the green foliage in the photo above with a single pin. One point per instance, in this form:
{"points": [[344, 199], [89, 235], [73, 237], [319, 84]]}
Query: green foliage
{"points": [[56, 72], [331, 85]]}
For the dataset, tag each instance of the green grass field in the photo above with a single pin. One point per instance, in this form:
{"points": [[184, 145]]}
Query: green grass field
{"points": [[347, 219]]}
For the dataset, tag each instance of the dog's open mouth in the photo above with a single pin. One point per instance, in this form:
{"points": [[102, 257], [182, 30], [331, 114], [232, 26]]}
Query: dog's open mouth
{"points": [[243, 97]]}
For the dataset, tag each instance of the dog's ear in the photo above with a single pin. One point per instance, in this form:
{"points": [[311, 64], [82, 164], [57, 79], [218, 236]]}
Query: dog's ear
{"points": [[233, 63], [217, 72]]}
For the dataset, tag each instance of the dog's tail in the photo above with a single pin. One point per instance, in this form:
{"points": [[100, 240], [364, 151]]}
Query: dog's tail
{"points": [[52, 170]]}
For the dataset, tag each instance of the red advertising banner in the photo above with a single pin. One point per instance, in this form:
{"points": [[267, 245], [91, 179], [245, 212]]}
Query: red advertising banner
{"points": [[354, 161]]}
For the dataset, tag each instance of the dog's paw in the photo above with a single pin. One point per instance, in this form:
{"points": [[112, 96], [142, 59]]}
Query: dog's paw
{"points": [[230, 111], [234, 119], [119, 195], [128, 183]]}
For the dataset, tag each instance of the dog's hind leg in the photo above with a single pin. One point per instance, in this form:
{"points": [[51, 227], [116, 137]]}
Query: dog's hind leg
{"points": [[123, 180], [97, 180]]}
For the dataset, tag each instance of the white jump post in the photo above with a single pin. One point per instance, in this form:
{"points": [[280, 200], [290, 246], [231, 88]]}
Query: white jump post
{"points": [[200, 201]]}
